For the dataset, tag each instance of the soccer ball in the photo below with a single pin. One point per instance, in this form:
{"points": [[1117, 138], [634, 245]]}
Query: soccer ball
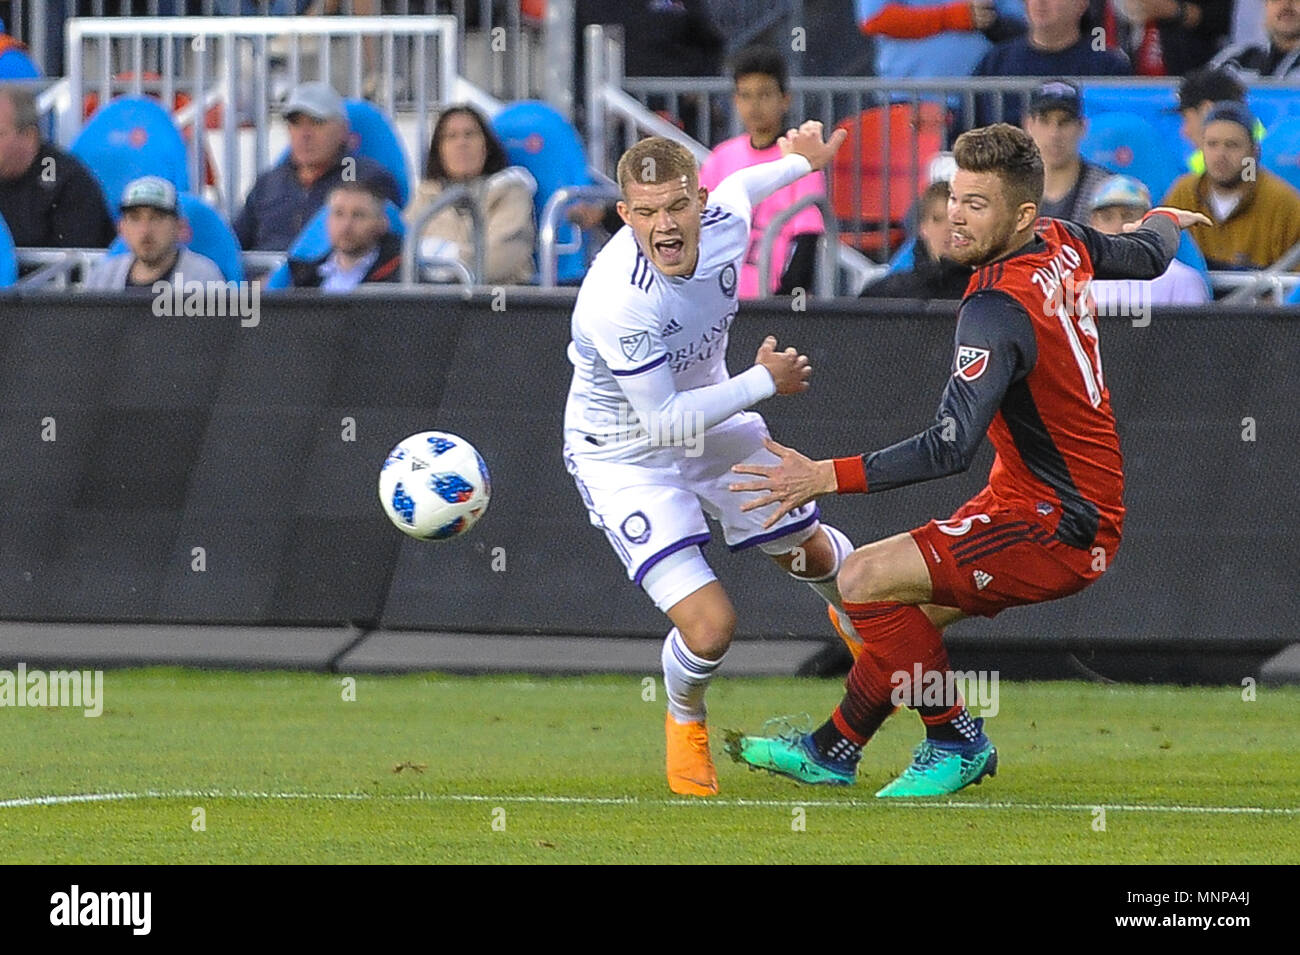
{"points": [[434, 486]]}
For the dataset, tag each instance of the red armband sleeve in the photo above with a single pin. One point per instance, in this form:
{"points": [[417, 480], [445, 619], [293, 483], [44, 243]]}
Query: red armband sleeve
{"points": [[850, 476], [915, 23], [1161, 212]]}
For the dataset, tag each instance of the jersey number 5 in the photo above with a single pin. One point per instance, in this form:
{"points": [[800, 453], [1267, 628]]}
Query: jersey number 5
{"points": [[1085, 345]]}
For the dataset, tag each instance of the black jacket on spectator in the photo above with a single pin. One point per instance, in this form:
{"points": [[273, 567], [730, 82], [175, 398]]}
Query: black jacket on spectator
{"points": [[305, 273], [927, 279], [279, 206], [56, 203]]}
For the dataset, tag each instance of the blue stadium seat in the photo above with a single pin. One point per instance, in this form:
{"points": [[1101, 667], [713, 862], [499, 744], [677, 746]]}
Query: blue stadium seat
{"points": [[1294, 297], [131, 137], [1189, 253], [8, 257], [313, 242], [1273, 106], [1126, 143], [1279, 152], [904, 258], [1156, 105], [17, 65], [538, 138], [208, 234], [374, 137]]}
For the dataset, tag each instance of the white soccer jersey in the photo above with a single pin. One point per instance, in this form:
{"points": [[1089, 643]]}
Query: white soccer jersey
{"points": [[645, 340]]}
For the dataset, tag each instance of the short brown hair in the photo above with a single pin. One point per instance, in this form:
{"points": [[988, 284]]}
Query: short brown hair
{"points": [[1008, 151], [657, 160]]}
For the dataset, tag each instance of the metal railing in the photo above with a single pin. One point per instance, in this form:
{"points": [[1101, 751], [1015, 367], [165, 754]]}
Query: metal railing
{"points": [[227, 61], [549, 248], [827, 243], [499, 38], [455, 197], [1271, 280]]}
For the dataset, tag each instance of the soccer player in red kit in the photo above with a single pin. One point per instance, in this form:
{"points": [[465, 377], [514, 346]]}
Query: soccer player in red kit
{"points": [[1027, 372]]}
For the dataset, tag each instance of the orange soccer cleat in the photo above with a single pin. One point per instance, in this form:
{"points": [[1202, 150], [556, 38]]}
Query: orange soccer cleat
{"points": [[851, 639], [690, 767]]}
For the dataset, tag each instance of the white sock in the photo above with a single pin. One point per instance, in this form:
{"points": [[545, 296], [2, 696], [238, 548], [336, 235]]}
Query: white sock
{"points": [[686, 677], [825, 586]]}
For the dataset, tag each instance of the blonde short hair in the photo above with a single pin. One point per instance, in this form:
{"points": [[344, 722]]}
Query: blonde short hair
{"points": [[657, 160]]}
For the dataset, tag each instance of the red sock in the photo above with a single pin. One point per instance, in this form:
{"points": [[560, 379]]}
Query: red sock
{"points": [[896, 637]]}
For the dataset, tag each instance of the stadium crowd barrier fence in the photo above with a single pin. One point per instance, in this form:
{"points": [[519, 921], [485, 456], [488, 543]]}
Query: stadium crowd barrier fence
{"points": [[226, 62], [483, 27], [179, 470]]}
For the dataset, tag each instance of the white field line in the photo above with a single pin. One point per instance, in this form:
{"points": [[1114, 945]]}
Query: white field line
{"points": [[21, 802]]}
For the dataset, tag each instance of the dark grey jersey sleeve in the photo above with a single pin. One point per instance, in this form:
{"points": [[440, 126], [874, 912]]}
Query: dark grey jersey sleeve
{"points": [[1144, 253], [995, 347]]}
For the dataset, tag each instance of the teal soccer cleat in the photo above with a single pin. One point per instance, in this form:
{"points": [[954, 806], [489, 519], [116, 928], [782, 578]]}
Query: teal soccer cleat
{"points": [[938, 769], [789, 753]]}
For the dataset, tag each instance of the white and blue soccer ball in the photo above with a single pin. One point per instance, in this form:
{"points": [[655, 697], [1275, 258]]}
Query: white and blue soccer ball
{"points": [[434, 486]]}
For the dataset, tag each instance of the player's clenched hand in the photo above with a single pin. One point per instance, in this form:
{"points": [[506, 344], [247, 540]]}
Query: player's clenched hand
{"points": [[796, 480], [807, 142], [789, 369], [1184, 218]]}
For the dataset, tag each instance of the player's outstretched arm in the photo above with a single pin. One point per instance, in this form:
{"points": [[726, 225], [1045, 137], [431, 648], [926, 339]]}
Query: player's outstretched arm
{"points": [[802, 151], [1146, 248], [995, 346]]}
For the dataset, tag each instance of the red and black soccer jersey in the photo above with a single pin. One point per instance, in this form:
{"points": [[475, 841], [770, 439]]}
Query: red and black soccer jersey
{"points": [[1027, 371]]}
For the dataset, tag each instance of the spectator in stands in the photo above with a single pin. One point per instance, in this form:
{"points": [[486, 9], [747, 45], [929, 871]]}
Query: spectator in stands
{"points": [[1164, 37], [47, 197], [932, 275], [1256, 214], [1054, 46], [465, 152], [286, 196], [362, 247], [1055, 121], [151, 228], [1197, 94], [924, 38], [1280, 58], [1119, 201], [761, 99]]}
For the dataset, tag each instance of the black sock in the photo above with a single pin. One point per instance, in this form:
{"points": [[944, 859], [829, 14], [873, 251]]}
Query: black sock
{"points": [[960, 729], [831, 743]]}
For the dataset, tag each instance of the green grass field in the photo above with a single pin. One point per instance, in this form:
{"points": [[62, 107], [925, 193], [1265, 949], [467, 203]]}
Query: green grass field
{"points": [[517, 769]]}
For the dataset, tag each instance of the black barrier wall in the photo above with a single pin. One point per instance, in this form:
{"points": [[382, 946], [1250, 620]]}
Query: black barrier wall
{"points": [[193, 470]]}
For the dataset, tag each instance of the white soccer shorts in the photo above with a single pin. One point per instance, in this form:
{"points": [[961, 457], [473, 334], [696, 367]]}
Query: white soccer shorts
{"points": [[654, 515]]}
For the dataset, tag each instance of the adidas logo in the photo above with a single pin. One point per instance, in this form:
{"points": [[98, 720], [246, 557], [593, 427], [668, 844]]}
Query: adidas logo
{"points": [[672, 328], [982, 579]]}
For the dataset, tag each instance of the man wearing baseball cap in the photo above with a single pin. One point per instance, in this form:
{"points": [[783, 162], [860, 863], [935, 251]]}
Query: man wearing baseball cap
{"points": [[1118, 201], [151, 228], [1197, 94], [1256, 214], [287, 195], [1054, 120]]}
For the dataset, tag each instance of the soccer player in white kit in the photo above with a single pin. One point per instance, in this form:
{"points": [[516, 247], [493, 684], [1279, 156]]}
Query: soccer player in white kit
{"points": [[654, 422]]}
